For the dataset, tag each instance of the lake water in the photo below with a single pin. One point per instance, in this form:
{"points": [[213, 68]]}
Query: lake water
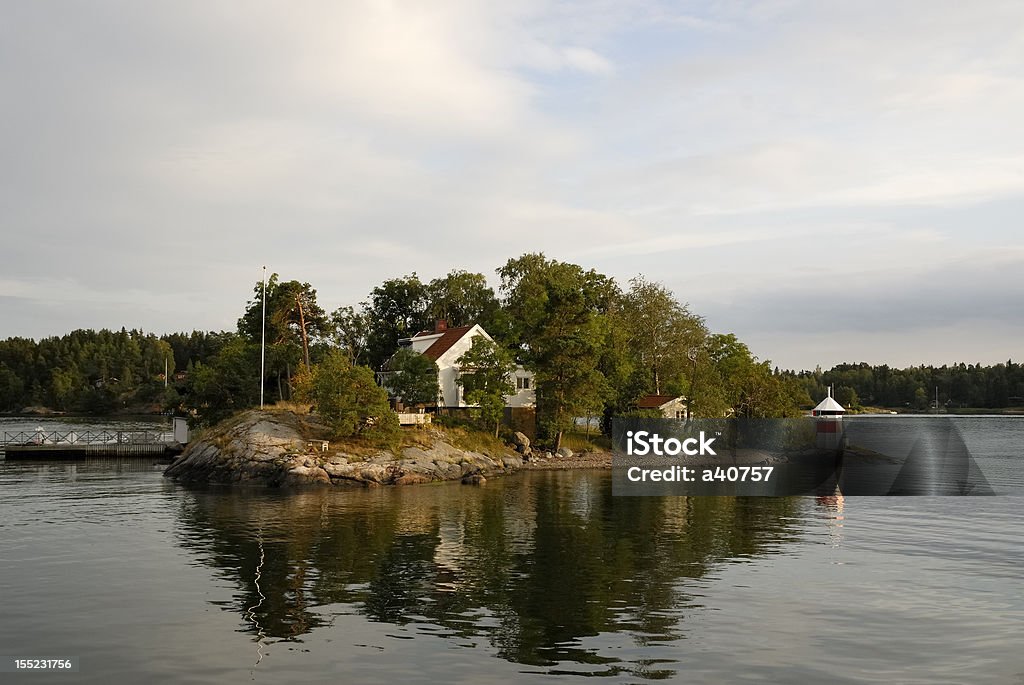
{"points": [[539, 577]]}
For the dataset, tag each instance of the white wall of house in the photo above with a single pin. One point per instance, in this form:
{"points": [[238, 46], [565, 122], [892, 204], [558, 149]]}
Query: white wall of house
{"points": [[526, 395], [448, 371], [674, 409], [448, 374]]}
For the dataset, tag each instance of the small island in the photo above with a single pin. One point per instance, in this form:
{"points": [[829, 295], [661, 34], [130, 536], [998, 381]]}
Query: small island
{"points": [[284, 448]]}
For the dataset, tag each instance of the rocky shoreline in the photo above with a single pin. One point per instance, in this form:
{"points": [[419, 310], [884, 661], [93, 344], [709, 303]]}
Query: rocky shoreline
{"points": [[281, 449], [578, 460], [275, 448]]}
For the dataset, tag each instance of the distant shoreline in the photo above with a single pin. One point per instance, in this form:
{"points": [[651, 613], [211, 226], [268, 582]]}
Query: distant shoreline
{"points": [[951, 411], [79, 415], [45, 412]]}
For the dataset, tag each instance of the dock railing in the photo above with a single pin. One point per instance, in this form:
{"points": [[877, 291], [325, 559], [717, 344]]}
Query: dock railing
{"points": [[87, 437], [72, 443]]}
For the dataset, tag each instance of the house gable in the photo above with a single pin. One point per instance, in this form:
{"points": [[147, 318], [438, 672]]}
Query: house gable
{"points": [[444, 346]]}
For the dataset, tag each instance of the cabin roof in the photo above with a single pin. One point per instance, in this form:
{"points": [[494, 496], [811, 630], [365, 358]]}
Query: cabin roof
{"points": [[444, 342], [655, 401], [829, 404]]}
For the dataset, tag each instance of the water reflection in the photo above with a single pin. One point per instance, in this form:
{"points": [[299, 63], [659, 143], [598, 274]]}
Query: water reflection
{"points": [[533, 567]]}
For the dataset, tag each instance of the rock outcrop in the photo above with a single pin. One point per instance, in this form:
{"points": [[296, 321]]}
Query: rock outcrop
{"points": [[277, 448], [522, 445]]}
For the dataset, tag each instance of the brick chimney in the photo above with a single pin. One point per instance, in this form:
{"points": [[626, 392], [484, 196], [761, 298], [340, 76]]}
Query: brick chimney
{"points": [[441, 325]]}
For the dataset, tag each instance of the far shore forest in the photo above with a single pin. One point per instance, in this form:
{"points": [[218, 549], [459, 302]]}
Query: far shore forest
{"points": [[595, 345]]}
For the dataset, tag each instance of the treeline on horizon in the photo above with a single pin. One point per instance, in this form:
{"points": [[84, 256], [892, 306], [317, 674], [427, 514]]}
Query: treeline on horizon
{"points": [[957, 386], [595, 345]]}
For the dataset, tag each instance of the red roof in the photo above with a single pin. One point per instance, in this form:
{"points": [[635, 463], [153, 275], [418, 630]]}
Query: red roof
{"points": [[445, 342], [654, 401]]}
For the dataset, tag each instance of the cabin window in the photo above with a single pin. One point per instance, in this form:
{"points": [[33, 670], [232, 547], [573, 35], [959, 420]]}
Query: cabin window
{"points": [[522, 383]]}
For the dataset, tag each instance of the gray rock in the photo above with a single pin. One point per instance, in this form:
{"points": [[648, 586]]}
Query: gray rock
{"points": [[521, 442], [564, 453], [412, 479], [303, 474], [512, 462], [474, 479]]}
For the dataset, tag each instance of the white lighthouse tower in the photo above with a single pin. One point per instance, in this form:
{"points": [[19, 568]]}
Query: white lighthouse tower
{"points": [[828, 417]]}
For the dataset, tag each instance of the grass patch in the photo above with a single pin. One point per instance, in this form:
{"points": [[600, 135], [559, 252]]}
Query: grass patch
{"points": [[579, 441], [476, 441], [287, 406], [413, 436]]}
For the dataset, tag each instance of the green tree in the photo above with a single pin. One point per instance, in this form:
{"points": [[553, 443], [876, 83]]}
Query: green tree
{"points": [[63, 387], [349, 331], [920, 398], [294, 321], [662, 332], [462, 299], [740, 384], [558, 311], [847, 396], [228, 384], [397, 309], [413, 377], [485, 372], [12, 389], [347, 398]]}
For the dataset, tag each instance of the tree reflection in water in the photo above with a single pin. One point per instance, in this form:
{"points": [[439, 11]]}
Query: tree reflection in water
{"points": [[531, 565]]}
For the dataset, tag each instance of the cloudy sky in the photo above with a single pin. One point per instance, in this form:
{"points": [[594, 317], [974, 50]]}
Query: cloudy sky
{"points": [[830, 181]]}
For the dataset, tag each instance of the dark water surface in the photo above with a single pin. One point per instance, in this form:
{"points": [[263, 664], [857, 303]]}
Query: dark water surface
{"points": [[538, 577]]}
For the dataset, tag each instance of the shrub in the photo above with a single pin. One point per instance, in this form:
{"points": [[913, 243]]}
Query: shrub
{"points": [[347, 399]]}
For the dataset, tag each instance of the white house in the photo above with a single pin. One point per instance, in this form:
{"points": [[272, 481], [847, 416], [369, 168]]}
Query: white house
{"points": [[445, 345], [670, 406]]}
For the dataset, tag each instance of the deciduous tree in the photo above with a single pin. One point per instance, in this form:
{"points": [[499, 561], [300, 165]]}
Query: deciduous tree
{"points": [[347, 398], [485, 372], [556, 309], [293, 321], [661, 332], [413, 377], [350, 328], [397, 309]]}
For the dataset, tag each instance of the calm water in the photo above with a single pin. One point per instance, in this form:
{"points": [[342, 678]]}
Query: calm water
{"points": [[539, 577]]}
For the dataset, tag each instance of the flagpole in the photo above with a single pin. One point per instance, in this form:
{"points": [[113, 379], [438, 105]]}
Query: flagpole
{"points": [[263, 339]]}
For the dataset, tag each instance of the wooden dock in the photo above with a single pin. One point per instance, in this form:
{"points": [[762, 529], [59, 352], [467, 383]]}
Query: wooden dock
{"points": [[73, 445]]}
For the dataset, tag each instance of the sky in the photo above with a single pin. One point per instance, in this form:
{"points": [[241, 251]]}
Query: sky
{"points": [[830, 181]]}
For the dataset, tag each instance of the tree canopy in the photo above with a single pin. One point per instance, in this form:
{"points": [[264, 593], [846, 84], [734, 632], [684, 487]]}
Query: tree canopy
{"points": [[294, 322], [403, 306], [347, 398], [595, 349], [413, 378], [556, 309]]}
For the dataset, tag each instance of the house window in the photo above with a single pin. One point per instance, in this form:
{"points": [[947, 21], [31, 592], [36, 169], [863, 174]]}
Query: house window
{"points": [[522, 383]]}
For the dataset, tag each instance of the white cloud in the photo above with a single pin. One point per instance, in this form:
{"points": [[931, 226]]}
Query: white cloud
{"points": [[585, 59]]}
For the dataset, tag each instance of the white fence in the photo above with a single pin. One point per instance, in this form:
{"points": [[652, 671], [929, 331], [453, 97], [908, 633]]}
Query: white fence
{"points": [[410, 419]]}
